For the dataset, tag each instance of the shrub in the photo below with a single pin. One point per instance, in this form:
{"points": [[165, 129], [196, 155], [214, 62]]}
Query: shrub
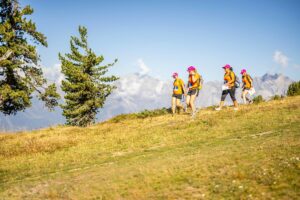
{"points": [[122, 117], [153, 113], [141, 115], [294, 89], [277, 97], [258, 99]]}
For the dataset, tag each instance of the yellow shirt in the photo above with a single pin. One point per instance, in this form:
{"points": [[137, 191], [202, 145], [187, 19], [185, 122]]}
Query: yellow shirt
{"points": [[230, 78], [178, 86], [247, 81], [196, 84]]}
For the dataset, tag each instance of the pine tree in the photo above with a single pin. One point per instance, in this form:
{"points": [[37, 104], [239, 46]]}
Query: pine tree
{"points": [[86, 87], [20, 73], [294, 89]]}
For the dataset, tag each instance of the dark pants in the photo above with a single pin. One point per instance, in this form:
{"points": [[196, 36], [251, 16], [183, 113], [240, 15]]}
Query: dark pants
{"points": [[231, 92]]}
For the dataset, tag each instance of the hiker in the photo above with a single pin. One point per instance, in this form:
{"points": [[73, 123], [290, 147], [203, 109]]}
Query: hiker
{"points": [[194, 85], [247, 86], [178, 91], [228, 87]]}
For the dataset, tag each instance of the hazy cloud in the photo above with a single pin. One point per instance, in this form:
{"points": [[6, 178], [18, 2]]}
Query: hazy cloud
{"points": [[280, 58], [53, 74], [143, 67]]}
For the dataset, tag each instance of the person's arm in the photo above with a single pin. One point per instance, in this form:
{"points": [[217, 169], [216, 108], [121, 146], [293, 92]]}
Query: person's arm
{"points": [[187, 88], [183, 87]]}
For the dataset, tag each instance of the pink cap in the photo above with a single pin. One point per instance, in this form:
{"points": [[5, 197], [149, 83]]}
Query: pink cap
{"points": [[175, 74], [243, 71], [191, 68], [227, 66]]}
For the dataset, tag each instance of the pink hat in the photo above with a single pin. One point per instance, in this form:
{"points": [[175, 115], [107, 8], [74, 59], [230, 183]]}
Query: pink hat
{"points": [[191, 68], [243, 71], [175, 74], [227, 66]]}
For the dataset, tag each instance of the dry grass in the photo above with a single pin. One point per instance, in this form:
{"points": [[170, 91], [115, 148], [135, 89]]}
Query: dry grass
{"points": [[250, 154]]}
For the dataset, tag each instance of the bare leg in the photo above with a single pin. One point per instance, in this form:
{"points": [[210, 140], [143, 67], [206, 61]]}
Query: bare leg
{"points": [[188, 98], [173, 105], [244, 96], [224, 94], [179, 105], [221, 104], [235, 103], [192, 103]]}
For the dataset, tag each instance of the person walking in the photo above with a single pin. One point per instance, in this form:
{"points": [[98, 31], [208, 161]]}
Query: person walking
{"points": [[228, 87], [178, 91], [247, 86], [194, 84]]}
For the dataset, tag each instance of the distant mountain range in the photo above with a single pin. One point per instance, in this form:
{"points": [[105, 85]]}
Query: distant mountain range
{"points": [[137, 92]]}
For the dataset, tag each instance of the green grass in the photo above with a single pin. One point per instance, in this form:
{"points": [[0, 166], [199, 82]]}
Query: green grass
{"points": [[250, 154]]}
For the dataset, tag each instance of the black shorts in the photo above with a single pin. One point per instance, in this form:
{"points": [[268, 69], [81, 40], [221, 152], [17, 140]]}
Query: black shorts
{"points": [[177, 96], [193, 92], [231, 92]]}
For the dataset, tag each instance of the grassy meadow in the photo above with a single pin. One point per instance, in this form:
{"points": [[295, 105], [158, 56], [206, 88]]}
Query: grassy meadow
{"points": [[253, 153]]}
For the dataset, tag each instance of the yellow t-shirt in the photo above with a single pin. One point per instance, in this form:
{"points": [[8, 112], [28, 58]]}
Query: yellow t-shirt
{"points": [[196, 84], [178, 86], [230, 78], [247, 83]]}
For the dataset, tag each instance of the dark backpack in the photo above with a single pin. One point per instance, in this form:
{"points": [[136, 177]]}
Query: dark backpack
{"points": [[237, 82]]}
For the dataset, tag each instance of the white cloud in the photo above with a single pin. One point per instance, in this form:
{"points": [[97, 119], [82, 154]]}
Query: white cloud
{"points": [[143, 67], [280, 58], [53, 74]]}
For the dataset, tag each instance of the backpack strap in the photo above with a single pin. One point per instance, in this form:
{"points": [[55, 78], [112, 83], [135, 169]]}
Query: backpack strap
{"points": [[248, 77], [230, 74], [182, 85]]}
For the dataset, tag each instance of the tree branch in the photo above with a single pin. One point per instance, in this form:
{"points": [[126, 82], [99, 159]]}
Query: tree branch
{"points": [[6, 55]]}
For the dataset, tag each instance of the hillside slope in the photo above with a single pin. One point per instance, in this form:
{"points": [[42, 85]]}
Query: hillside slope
{"points": [[137, 92], [250, 154]]}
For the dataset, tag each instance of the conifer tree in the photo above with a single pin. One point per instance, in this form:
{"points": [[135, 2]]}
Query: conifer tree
{"points": [[86, 87], [20, 73]]}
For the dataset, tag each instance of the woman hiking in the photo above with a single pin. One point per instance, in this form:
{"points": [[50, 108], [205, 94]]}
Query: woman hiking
{"points": [[247, 86], [178, 91], [194, 84], [229, 87]]}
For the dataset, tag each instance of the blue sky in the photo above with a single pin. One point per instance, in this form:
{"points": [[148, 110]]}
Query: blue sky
{"points": [[169, 35]]}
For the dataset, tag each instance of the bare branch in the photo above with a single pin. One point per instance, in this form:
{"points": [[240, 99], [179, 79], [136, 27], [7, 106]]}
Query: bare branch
{"points": [[6, 55]]}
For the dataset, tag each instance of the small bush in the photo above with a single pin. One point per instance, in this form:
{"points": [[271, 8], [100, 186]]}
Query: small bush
{"points": [[141, 115], [277, 97], [153, 113], [258, 99], [123, 117], [294, 89]]}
